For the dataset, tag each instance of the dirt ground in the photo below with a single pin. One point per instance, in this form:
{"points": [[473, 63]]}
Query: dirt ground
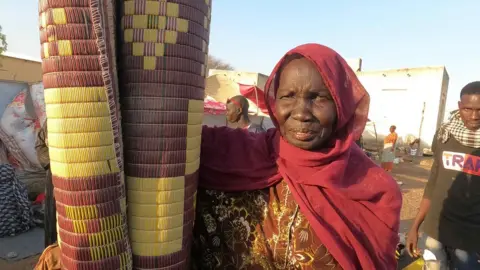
{"points": [[25, 264], [413, 175]]}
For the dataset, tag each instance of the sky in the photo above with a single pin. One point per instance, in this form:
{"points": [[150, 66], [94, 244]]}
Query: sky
{"points": [[253, 35]]}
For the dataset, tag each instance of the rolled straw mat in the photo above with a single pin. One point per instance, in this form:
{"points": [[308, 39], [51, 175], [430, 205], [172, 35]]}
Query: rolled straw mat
{"points": [[163, 63], [84, 135]]}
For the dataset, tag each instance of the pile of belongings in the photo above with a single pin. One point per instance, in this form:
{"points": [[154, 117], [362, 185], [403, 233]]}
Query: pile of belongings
{"points": [[16, 215]]}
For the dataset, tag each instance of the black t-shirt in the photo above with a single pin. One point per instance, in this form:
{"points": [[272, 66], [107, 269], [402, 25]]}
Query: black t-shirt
{"points": [[454, 191]]}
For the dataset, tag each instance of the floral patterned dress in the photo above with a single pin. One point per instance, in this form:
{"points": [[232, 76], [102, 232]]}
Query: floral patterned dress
{"points": [[261, 229]]}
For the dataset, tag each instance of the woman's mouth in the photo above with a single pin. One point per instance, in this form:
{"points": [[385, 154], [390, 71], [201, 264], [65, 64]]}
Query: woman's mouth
{"points": [[303, 136]]}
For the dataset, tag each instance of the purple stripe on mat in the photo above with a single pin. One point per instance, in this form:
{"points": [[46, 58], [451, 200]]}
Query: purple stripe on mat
{"points": [[87, 183], [164, 63], [73, 79], [170, 50], [155, 103], [90, 197], [70, 63], [145, 90], [155, 117], [67, 32], [47, 4], [93, 240], [161, 77]]}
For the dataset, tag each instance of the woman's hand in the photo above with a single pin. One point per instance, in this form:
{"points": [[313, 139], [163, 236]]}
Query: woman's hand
{"points": [[412, 242]]}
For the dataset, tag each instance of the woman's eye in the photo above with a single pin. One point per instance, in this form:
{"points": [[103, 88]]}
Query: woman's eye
{"points": [[286, 96], [321, 98]]}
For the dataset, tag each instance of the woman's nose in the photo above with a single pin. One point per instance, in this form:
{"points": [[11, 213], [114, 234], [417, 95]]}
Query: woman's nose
{"points": [[302, 110]]}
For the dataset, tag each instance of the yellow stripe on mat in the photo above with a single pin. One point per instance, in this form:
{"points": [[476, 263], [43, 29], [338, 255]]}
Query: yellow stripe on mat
{"points": [[155, 210], [77, 110], [195, 105], [192, 167], [156, 197], [107, 237], [64, 48], [80, 140], [84, 169], [82, 155], [151, 35], [192, 155], [138, 49], [156, 249], [79, 125], [195, 118], [149, 62], [107, 223], [152, 184], [194, 130], [59, 17], [153, 224], [81, 212], [100, 253], [75, 94], [160, 236]]}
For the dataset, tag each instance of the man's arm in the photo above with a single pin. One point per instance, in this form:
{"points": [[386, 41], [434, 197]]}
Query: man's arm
{"points": [[412, 237]]}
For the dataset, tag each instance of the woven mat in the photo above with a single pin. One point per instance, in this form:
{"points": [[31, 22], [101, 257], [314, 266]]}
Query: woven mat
{"points": [[162, 77], [85, 145]]}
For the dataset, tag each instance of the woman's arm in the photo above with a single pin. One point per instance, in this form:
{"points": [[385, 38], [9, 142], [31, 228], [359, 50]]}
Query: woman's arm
{"points": [[236, 160]]}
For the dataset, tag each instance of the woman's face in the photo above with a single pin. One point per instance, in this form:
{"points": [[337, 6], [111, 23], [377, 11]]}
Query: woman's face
{"points": [[305, 110]]}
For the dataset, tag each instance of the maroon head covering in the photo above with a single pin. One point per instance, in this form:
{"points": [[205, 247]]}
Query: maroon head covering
{"points": [[352, 205]]}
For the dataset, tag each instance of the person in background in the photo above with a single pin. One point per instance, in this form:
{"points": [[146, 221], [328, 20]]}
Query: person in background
{"points": [[450, 208], [237, 113], [299, 195], [414, 145], [388, 154]]}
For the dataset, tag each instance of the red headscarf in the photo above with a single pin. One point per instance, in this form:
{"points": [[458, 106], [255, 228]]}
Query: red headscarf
{"points": [[352, 205]]}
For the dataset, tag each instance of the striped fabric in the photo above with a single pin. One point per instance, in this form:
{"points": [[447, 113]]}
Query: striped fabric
{"points": [[85, 143], [162, 76]]}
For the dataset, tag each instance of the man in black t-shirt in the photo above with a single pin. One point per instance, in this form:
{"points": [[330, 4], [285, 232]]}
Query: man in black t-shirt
{"points": [[451, 202]]}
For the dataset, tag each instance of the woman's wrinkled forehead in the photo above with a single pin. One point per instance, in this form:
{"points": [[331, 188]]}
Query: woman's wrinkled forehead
{"points": [[285, 62], [297, 67]]}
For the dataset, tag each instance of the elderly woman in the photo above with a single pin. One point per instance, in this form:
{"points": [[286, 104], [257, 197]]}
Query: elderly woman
{"points": [[303, 195]]}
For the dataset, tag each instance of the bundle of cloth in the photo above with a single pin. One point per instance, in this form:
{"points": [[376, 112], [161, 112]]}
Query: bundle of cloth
{"points": [[16, 214]]}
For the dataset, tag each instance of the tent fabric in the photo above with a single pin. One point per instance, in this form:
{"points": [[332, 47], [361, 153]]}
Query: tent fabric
{"points": [[254, 94], [214, 107]]}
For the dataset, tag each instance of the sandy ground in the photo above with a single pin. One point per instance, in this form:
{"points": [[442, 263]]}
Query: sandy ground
{"points": [[413, 175], [25, 264]]}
